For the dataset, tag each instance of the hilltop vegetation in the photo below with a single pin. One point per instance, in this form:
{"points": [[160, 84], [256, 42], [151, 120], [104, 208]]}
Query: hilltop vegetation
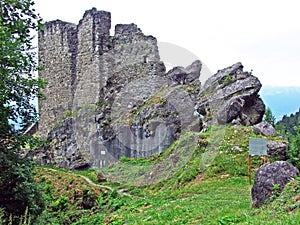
{"points": [[288, 124], [211, 188], [289, 127]]}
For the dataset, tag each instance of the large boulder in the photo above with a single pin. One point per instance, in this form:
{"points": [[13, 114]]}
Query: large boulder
{"points": [[231, 95], [278, 150], [269, 177], [187, 76], [264, 128]]}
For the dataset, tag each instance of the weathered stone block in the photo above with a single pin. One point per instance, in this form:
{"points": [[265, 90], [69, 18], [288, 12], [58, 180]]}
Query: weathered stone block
{"points": [[264, 128]]}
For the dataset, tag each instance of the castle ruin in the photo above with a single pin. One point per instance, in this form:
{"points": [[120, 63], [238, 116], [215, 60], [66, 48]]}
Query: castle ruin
{"points": [[110, 96]]}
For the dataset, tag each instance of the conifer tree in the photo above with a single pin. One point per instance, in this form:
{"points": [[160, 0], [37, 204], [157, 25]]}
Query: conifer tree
{"points": [[269, 117]]}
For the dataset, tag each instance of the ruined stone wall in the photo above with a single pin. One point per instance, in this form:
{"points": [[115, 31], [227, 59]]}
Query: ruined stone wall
{"points": [[57, 51], [93, 33], [87, 69]]}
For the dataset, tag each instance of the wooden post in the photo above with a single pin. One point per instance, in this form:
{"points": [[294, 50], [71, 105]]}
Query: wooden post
{"points": [[249, 168], [266, 159]]}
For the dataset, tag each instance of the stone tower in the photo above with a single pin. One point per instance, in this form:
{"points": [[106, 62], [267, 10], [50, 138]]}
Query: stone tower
{"points": [[71, 56], [57, 52]]}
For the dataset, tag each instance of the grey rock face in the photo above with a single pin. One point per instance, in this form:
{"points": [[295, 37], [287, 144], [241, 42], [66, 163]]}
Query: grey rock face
{"points": [[231, 110], [277, 173], [278, 150], [264, 128], [63, 150]]}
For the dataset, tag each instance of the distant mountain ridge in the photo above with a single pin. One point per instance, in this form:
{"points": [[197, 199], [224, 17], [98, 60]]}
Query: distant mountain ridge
{"points": [[281, 100]]}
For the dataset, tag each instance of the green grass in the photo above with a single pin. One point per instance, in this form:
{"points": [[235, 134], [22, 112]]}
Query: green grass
{"points": [[208, 185], [195, 204]]}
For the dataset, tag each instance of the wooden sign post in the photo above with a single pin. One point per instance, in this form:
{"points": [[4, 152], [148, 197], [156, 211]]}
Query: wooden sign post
{"points": [[257, 146]]}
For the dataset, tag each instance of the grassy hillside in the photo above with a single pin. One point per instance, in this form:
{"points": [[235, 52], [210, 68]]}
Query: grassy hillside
{"points": [[200, 179]]}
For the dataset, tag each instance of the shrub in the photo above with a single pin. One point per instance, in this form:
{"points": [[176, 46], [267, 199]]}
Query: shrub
{"points": [[60, 204]]}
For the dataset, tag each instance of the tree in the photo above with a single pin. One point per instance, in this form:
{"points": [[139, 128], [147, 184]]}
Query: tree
{"points": [[289, 127], [289, 123], [269, 117], [294, 152], [18, 87]]}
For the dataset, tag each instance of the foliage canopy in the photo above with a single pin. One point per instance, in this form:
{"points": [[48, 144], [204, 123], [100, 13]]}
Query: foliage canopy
{"points": [[18, 88], [18, 85]]}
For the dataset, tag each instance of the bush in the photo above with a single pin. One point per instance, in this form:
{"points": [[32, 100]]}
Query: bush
{"points": [[60, 204], [18, 190]]}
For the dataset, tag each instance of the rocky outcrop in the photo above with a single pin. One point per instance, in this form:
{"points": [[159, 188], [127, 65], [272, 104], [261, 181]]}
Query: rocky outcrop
{"points": [[62, 149], [264, 128], [231, 95], [271, 178]]}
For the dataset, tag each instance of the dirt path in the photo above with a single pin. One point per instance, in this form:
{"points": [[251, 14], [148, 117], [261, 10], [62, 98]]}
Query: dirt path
{"points": [[89, 181]]}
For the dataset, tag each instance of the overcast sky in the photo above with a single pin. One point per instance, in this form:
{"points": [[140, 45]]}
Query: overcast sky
{"points": [[264, 35]]}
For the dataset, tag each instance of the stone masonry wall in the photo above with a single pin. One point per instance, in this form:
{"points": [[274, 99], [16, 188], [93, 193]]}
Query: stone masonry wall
{"points": [[57, 54], [93, 36]]}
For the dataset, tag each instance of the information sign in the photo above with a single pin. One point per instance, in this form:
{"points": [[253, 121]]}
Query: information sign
{"points": [[258, 146]]}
